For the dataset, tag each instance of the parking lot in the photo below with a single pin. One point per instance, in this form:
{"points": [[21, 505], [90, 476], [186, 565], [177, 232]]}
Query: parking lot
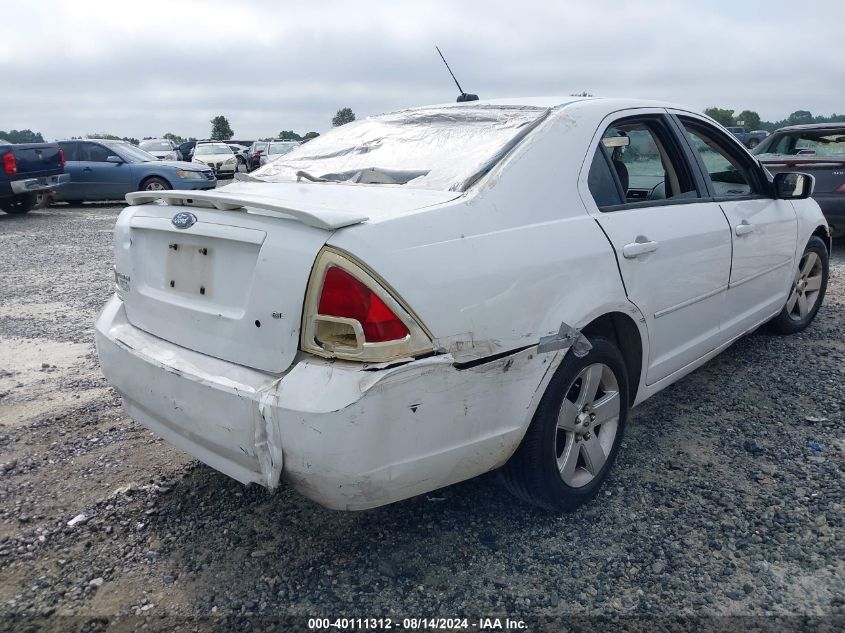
{"points": [[720, 502]]}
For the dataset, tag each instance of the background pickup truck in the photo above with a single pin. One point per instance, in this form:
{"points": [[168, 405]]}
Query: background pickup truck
{"points": [[28, 171], [749, 139]]}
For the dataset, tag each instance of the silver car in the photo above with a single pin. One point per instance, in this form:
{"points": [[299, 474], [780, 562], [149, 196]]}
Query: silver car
{"points": [[161, 148], [276, 149]]}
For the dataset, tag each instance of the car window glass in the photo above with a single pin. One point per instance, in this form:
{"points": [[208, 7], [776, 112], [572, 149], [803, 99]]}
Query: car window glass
{"points": [[822, 143], [645, 162], [601, 183], [94, 153], [730, 177], [69, 150]]}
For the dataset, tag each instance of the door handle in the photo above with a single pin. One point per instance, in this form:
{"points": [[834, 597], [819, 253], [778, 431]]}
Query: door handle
{"points": [[635, 249], [86, 169], [744, 228]]}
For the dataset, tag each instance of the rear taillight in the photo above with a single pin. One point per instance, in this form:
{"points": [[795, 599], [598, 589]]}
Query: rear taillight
{"points": [[344, 297], [351, 314], [840, 188], [10, 163], [62, 157]]}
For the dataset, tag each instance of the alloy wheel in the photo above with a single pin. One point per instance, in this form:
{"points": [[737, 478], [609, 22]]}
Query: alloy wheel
{"points": [[587, 424], [806, 287]]}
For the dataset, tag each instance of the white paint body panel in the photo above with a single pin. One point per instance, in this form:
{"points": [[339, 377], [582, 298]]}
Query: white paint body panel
{"points": [[487, 272]]}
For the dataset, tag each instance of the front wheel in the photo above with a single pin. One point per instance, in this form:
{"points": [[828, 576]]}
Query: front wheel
{"points": [[155, 184], [574, 437], [18, 204], [807, 291]]}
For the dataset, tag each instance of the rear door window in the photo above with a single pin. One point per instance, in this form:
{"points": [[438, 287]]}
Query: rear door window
{"points": [[641, 158], [70, 150]]}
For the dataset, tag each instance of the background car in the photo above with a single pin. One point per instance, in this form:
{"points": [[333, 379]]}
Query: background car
{"points": [[276, 149], [817, 149], [187, 149], [161, 148], [218, 156], [254, 154], [749, 139], [241, 153], [108, 170], [29, 172]]}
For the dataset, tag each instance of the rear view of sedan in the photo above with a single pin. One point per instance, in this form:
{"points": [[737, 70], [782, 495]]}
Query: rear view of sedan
{"points": [[420, 297], [219, 157]]}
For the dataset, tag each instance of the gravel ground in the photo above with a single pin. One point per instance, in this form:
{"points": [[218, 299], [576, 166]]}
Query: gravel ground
{"points": [[718, 504]]}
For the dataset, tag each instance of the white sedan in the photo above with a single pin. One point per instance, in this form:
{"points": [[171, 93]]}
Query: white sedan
{"points": [[420, 297], [218, 156]]}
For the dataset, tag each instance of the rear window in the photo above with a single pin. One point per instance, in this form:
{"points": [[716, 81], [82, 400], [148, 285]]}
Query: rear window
{"points": [[445, 148], [70, 150], [155, 146], [809, 143]]}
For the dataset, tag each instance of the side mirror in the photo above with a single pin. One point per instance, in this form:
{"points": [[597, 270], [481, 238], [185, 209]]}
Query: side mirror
{"points": [[793, 185], [114, 159]]}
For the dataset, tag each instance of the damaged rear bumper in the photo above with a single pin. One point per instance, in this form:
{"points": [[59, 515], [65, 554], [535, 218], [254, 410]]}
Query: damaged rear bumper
{"points": [[348, 436]]}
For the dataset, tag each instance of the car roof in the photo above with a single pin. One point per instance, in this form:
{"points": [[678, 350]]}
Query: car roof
{"points": [[561, 101], [812, 126]]}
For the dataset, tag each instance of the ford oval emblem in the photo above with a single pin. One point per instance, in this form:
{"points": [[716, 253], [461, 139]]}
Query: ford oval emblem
{"points": [[184, 220]]}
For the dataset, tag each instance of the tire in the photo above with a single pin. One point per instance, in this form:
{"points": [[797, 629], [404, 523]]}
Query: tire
{"points": [[807, 291], [752, 143], [155, 183], [18, 204], [557, 466], [43, 200]]}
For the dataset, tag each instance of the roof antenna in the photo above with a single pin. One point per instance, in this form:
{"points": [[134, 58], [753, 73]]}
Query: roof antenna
{"points": [[463, 96]]}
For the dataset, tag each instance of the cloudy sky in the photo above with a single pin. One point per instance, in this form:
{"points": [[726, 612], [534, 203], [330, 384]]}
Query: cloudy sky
{"points": [[138, 69]]}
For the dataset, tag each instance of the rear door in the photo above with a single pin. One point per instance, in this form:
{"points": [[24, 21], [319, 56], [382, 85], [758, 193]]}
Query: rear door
{"points": [[100, 179], [673, 247], [764, 230], [70, 190]]}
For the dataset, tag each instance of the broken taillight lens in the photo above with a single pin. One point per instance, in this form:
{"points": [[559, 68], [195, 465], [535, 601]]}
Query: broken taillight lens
{"points": [[351, 314], [10, 163]]}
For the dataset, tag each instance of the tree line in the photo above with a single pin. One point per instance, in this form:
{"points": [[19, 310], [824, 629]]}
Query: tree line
{"points": [[750, 120], [221, 130]]}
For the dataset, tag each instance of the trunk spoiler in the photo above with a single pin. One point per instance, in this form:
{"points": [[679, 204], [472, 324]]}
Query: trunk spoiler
{"points": [[318, 216]]}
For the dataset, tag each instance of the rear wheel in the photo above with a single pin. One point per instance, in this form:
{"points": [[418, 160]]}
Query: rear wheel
{"points": [[807, 291], [20, 203], [572, 441], [155, 184]]}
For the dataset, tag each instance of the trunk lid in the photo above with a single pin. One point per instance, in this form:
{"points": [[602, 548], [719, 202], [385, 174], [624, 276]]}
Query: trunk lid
{"points": [[829, 171], [231, 284]]}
